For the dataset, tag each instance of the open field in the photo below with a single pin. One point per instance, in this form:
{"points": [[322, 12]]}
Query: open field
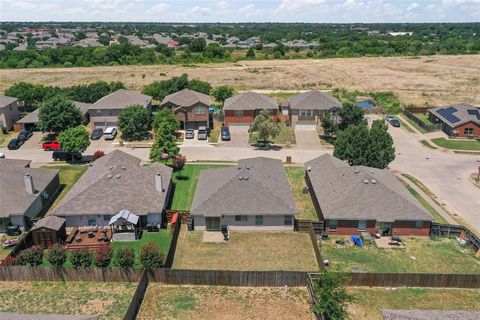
{"points": [[439, 80], [305, 207], [246, 250], [205, 302], [109, 300], [431, 256], [457, 144], [368, 302]]}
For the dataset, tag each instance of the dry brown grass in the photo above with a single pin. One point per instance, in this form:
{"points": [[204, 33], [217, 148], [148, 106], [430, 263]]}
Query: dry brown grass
{"points": [[437, 79], [203, 302]]}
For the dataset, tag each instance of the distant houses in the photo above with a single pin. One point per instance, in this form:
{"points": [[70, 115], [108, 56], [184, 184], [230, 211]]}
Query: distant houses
{"points": [[8, 112], [459, 120]]}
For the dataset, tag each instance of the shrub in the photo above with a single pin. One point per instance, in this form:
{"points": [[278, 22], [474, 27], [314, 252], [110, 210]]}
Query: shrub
{"points": [[57, 255], [4, 130], [81, 258], [98, 154], [125, 257], [331, 295], [151, 256], [30, 257], [103, 256]]}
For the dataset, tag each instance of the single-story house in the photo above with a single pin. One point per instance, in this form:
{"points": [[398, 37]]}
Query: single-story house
{"points": [[254, 195], [306, 109], [190, 107], [104, 113], [49, 231], [30, 121], [8, 112], [354, 199], [115, 182], [24, 192], [459, 120], [243, 108]]}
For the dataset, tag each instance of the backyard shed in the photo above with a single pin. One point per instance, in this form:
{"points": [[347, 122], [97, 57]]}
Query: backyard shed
{"points": [[48, 231]]}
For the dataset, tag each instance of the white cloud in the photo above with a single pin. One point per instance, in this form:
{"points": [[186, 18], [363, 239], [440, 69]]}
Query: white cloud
{"points": [[250, 10], [160, 8], [200, 10], [23, 5], [298, 4], [412, 6], [223, 4], [103, 4]]}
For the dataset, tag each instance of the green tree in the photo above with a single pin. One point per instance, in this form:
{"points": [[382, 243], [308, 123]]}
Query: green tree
{"points": [[215, 51], [250, 53], [350, 114], [200, 86], [329, 124], [264, 127], [381, 148], [331, 295], [133, 123], [352, 144], [222, 93], [165, 148], [57, 255], [74, 139], [58, 114], [197, 45]]}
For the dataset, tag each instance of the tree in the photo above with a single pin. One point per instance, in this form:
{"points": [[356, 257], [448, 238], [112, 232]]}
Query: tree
{"points": [[200, 86], [382, 150], [103, 256], [133, 123], [125, 257], [264, 127], [331, 295], [352, 144], [81, 258], [215, 51], [151, 256], [97, 155], [74, 139], [165, 147], [58, 114], [350, 114], [330, 126], [57, 255], [222, 93], [250, 53], [160, 89], [197, 45]]}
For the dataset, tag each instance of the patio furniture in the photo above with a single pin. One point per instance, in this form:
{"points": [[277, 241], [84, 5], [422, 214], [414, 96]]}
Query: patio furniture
{"points": [[366, 237]]}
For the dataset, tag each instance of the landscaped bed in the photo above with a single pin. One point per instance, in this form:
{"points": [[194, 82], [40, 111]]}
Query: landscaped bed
{"points": [[209, 302], [430, 256], [109, 300], [305, 207], [457, 144], [246, 250]]}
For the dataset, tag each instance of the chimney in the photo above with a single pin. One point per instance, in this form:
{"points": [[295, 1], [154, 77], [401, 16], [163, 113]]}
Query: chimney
{"points": [[158, 182], [29, 183]]}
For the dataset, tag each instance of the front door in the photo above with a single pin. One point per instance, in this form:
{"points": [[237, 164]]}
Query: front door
{"points": [[212, 223]]}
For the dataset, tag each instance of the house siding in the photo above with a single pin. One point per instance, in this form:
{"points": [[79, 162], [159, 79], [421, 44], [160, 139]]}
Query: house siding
{"points": [[294, 115], [349, 227], [187, 114], [248, 116], [9, 115], [407, 228], [270, 223]]}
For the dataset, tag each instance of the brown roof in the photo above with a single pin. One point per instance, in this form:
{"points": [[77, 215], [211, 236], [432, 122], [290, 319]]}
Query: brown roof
{"points": [[121, 99], [250, 101], [187, 98], [316, 100], [50, 222], [4, 101], [32, 117]]}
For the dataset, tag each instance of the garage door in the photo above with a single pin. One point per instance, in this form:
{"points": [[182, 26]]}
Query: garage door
{"points": [[196, 124], [104, 125]]}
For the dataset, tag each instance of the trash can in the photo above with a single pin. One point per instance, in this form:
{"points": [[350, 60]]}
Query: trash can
{"points": [[190, 225]]}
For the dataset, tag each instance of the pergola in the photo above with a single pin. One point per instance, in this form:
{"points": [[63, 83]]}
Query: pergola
{"points": [[125, 222]]}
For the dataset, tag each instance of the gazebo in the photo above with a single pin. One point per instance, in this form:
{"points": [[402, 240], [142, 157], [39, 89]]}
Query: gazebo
{"points": [[124, 226]]}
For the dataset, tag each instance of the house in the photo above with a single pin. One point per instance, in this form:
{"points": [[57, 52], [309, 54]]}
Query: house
{"points": [[254, 195], [459, 120], [115, 182], [49, 231], [8, 112], [30, 121], [104, 113], [190, 107], [306, 109], [243, 108], [350, 200], [24, 192]]}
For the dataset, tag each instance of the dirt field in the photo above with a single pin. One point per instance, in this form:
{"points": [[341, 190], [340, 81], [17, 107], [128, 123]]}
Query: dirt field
{"points": [[203, 302], [436, 79]]}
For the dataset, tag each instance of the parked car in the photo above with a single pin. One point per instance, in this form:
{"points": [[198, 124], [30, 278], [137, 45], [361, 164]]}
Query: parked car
{"points": [[202, 133], [225, 134], [24, 135], [60, 155], [96, 134], [389, 117], [14, 144], [110, 133], [51, 145], [189, 134], [395, 123]]}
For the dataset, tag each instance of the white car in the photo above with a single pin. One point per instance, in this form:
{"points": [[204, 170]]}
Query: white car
{"points": [[2, 155], [110, 133]]}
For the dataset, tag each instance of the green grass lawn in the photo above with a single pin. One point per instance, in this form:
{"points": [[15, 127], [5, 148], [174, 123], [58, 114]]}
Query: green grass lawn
{"points": [[185, 186], [428, 144], [435, 256], [285, 136], [457, 144], [305, 207], [438, 218], [423, 118], [416, 126]]}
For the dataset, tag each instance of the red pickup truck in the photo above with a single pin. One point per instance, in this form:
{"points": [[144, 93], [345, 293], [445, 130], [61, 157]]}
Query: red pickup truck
{"points": [[51, 145]]}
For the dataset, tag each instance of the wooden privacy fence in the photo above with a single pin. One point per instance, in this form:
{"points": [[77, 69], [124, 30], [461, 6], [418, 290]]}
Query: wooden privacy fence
{"points": [[137, 298], [173, 244], [316, 249], [303, 225], [184, 215], [453, 230], [420, 123]]}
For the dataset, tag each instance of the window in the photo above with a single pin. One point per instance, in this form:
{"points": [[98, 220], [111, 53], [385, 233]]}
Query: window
{"points": [[99, 111], [362, 225], [259, 220], [106, 217], [239, 218], [199, 110], [92, 220], [306, 112], [332, 224], [418, 224], [238, 113], [468, 131], [287, 220]]}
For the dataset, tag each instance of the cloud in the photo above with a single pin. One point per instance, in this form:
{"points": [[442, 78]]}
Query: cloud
{"points": [[250, 10], [412, 6], [223, 4], [160, 8], [200, 10], [23, 5], [289, 5], [103, 4]]}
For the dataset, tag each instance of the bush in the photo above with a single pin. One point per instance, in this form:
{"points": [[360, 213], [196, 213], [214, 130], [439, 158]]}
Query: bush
{"points": [[30, 257], [98, 154], [103, 256], [125, 257], [151, 256], [81, 258], [57, 255], [4, 130]]}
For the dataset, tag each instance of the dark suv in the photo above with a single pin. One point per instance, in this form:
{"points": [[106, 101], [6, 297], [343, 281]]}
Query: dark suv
{"points": [[14, 144], [225, 134], [60, 155], [24, 135]]}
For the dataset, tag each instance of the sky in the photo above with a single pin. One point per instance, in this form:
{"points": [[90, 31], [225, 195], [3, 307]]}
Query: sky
{"points": [[321, 11]]}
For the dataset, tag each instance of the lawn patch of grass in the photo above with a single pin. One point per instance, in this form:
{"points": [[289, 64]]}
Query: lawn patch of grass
{"points": [[305, 207], [457, 144], [424, 118], [286, 136], [413, 124], [428, 144], [438, 218]]}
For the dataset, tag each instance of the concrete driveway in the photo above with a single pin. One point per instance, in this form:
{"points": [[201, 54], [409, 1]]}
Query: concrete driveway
{"points": [[238, 137], [307, 139], [195, 142]]}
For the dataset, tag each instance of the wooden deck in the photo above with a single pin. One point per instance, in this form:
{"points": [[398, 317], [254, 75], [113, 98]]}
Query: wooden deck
{"points": [[88, 238]]}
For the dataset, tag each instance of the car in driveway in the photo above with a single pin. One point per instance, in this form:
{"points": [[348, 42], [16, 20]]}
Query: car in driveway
{"points": [[96, 134], [110, 133], [24, 135], [394, 122], [60, 155], [202, 133], [189, 134], [14, 144], [51, 145], [225, 134]]}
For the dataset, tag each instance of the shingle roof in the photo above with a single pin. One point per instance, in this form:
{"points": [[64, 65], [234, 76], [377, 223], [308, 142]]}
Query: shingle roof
{"points": [[346, 192], [121, 99], [458, 114], [4, 101], [430, 314], [316, 100], [14, 198], [187, 98], [250, 101], [25, 316], [50, 222], [32, 117], [99, 191], [257, 186]]}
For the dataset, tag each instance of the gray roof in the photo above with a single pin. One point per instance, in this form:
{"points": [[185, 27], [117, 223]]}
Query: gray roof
{"points": [[250, 101], [121, 99], [316, 100], [124, 216], [14, 198], [430, 314], [257, 186], [99, 191], [25, 316], [32, 117], [50, 222], [187, 98], [344, 192], [457, 114], [5, 101]]}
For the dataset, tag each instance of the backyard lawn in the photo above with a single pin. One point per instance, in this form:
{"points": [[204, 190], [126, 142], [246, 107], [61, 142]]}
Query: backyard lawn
{"points": [[424, 118], [185, 183], [296, 175], [457, 144], [368, 302], [109, 300], [246, 250], [215, 302], [435, 256], [416, 126]]}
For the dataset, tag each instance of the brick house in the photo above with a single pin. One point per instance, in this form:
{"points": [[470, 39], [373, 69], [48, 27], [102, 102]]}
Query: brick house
{"points": [[8, 112], [243, 108], [350, 200], [306, 109], [459, 121], [190, 107]]}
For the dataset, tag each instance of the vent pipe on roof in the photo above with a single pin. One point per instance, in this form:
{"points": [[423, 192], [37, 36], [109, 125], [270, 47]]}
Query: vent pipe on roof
{"points": [[356, 170], [309, 168], [158, 182], [373, 181], [29, 187], [365, 181]]}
